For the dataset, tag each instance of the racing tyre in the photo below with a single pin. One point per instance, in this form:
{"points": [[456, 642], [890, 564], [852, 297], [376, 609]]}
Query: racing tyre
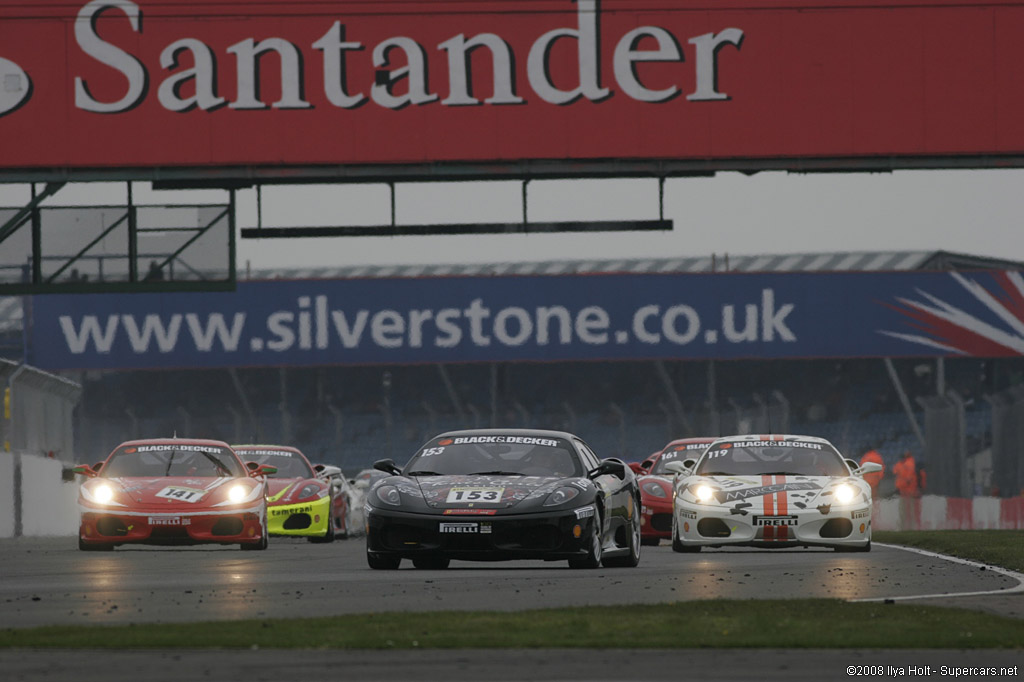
{"points": [[595, 551], [85, 547], [257, 546], [431, 562], [677, 545], [328, 536], [632, 559], [865, 548], [383, 561]]}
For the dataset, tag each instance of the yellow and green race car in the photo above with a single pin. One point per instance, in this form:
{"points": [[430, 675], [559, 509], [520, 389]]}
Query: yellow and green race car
{"points": [[302, 499]]}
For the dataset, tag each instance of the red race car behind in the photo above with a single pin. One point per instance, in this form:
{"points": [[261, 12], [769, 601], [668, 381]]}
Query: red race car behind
{"points": [[173, 491], [656, 487]]}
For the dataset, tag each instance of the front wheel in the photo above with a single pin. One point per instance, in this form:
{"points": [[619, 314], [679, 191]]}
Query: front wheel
{"points": [[86, 547], [385, 562], [632, 559], [257, 546], [854, 548], [326, 537], [677, 544], [594, 550]]}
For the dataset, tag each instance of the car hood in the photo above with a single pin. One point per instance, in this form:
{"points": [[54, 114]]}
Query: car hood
{"points": [[774, 494], [510, 493], [283, 490], [197, 492]]}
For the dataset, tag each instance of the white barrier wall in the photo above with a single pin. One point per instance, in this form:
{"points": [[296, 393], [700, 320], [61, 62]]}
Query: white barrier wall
{"points": [[49, 505], [6, 495], [932, 512]]}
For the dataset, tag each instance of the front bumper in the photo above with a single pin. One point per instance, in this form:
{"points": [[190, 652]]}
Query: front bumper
{"points": [[305, 519], [119, 526], [708, 526], [655, 517], [555, 535]]}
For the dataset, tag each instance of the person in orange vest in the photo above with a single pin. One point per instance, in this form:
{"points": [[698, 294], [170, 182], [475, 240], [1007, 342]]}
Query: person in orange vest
{"points": [[873, 479], [905, 472]]}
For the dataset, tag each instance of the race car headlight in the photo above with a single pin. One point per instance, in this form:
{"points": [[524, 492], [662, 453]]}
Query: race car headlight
{"points": [[240, 492], [844, 493], [654, 489], [704, 492], [388, 494], [103, 493], [561, 496]]}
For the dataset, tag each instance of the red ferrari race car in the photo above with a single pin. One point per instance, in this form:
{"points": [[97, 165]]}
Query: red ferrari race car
{"points": [[173, 491], [304, 500], [656, 487]]}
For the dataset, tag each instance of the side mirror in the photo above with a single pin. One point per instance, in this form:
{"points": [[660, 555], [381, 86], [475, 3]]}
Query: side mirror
{"points": [[85, 470], [637, 468], [609, 466], [388, 466], [680, 467], [868, 468], [257, 470]]}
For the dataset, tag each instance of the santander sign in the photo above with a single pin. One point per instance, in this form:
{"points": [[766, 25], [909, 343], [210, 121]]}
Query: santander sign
{"points": [[188, 66]]}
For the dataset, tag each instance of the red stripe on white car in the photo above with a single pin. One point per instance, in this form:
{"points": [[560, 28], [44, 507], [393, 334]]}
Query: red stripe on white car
{"points": [[768, 501], [783, 506]]}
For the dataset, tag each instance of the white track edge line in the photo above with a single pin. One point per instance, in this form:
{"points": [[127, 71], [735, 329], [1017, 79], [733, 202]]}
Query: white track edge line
{"points": [[1019, 577]]}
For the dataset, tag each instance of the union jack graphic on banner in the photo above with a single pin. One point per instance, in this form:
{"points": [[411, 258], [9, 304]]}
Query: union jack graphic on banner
{"points": [[992, 327]]}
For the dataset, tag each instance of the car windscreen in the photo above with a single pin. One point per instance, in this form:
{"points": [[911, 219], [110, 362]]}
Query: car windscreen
{"points": [[177, 459], [677, 453], [498, 455], [289, 464], [791, 458]]}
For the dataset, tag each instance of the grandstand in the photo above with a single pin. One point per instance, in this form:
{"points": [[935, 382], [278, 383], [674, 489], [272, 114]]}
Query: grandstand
{"points": [[353, 415]]}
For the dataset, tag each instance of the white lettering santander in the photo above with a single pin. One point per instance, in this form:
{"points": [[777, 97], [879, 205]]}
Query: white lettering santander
{"points": [[400, 81]]}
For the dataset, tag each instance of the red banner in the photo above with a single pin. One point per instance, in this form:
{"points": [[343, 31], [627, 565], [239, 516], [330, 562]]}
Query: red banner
{"points": [[142, 84]]}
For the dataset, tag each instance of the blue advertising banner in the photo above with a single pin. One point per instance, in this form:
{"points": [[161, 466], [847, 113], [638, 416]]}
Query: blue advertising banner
{"points": [[537, 318]]}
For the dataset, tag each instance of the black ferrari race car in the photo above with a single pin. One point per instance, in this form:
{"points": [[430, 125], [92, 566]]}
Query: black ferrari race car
{"points": [[499, 494]]}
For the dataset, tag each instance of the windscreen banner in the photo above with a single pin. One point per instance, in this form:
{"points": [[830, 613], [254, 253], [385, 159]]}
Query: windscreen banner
{"points": [[143, 84], [536, 318]]}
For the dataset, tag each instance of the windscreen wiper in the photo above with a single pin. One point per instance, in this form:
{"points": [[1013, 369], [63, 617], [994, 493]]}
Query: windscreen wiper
{"points": [[423, 473], [496, 473]]}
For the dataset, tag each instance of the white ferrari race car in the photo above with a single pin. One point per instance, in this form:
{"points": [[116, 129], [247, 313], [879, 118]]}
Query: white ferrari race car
{"points": [[771, 491]]}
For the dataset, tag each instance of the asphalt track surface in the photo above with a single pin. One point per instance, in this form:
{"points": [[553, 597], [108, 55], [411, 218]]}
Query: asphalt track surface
{"points": [[47, 581]]}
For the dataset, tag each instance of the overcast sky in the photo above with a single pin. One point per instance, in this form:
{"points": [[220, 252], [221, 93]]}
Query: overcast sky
{"points": [[976, 212]]}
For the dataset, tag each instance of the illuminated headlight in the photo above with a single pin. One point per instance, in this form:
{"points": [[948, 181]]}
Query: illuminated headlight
{"points": [[561, 496], [103, 493], [704, 492], [237, 493], [389, 494], [654, 489], [844, 493]]}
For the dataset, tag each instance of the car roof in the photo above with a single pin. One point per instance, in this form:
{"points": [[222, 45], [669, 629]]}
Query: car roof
{"points": [[774, 437], [542, 433], [173, 441]]}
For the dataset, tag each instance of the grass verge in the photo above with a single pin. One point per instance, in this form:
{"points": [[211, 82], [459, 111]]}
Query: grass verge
{"points": [[810, 623], [1003, 548]]}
